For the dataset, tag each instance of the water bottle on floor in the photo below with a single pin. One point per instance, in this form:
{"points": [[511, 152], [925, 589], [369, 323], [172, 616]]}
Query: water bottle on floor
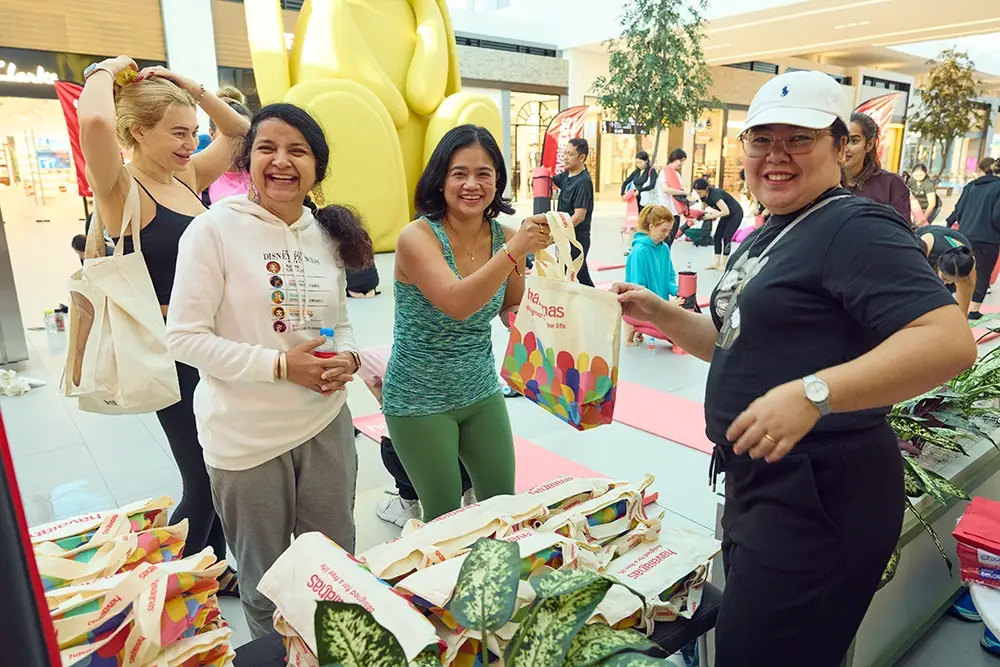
{"points": [[329, 348], [652, 344]]}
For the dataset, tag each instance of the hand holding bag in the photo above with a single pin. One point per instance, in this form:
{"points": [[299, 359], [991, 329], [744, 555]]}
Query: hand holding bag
{"points": [[116, 358], [564, 343]]}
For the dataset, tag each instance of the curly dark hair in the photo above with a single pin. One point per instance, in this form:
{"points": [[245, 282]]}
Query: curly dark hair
{"points": [[429, 196], [340, 223]]}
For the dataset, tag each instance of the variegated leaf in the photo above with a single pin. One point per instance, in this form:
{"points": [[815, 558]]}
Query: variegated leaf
{"points": [[348, 635], [634, 660], [890, 568], [930, 531], [935, 485], [561, 582], [486, 591], [545, 636], [911, 483], [597, 642], [426, 659]]}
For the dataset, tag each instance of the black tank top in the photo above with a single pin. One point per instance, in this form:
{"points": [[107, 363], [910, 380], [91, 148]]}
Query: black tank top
{"points": [[945, 238], [160, 239]]}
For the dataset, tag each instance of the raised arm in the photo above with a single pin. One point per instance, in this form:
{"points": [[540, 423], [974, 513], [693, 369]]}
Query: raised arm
{"points": [[208, 165], [419, 262], [98, 131]]}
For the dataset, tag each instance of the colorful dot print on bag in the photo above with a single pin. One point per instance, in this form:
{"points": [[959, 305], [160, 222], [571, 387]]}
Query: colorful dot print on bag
{"points": [[564, 343]]}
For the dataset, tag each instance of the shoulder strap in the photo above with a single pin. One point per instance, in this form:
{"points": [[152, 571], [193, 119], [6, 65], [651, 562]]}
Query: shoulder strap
{"points": [[442, 237], [130, 219], [802, 216], [196, 195]]}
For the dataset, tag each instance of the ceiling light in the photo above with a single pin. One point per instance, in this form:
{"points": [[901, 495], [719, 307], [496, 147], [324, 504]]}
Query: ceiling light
{"points": [[785, 17]]}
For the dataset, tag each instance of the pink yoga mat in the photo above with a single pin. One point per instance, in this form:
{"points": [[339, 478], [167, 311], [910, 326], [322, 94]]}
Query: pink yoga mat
{"points": [[536, 465], [666, 415], [985, 335], [608, 267]]}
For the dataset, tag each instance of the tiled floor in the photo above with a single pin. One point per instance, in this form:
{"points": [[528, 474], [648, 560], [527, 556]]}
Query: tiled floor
{"points": [[68, 462]]}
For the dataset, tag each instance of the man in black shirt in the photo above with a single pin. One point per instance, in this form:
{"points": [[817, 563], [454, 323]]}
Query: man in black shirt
{"points": [[576, 197]]}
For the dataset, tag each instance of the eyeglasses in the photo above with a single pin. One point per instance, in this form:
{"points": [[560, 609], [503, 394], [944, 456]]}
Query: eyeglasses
{"points": [[802, 142]]}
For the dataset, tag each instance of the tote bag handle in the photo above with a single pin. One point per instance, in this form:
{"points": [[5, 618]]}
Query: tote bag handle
{"points": [[564, 267], [130, 224]]}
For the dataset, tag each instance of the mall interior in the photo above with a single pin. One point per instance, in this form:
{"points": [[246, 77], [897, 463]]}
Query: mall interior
{"points": [[533, 59]]}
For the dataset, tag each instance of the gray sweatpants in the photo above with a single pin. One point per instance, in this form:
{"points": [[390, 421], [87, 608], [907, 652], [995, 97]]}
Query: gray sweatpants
{"points": [[310, 488]]}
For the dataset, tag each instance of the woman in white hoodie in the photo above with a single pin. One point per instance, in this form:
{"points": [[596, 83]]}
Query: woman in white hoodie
{"points": [[258, 276]]}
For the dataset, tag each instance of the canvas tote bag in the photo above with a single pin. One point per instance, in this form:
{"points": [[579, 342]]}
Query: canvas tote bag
{"points": [[564, 343], [116, 358]]}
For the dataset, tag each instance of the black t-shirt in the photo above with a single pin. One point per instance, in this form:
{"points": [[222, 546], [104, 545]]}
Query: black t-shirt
{"points": [[576, 192], [921, 190], [717, 194], [836, 286], [945, 238]]}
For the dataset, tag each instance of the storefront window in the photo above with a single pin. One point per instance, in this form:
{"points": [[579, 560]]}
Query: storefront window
{"points": [[708, 146], [244, 81], [530, 115]]}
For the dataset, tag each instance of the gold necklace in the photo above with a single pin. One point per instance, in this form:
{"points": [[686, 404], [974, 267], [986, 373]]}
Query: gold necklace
{"points": [[170, 182], [479, 237]]}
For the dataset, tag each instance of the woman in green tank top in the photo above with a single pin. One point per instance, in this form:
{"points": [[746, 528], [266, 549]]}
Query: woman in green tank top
{"points": [[456, 270]]}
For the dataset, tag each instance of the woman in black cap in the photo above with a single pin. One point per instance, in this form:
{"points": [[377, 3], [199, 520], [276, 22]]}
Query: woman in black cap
{"points": [[813, 331]]}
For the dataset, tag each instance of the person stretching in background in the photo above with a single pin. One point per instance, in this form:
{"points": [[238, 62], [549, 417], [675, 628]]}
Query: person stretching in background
{"points": [[724, 208], [672, 194], [951, 256], [576, 197], [924, 194], [649, 262], [865, 176], [977, 214]]}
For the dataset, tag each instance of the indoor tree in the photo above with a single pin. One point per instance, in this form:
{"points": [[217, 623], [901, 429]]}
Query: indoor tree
{"points": [[657, 71], [947, 108]]}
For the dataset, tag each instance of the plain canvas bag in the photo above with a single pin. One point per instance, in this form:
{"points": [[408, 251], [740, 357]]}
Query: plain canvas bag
{"points": [[116, 358]]}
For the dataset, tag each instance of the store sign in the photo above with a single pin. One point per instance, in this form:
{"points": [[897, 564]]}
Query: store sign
{"points": [[621, 127], [10, 73]]}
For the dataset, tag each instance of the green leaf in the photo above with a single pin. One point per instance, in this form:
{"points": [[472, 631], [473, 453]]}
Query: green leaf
{"points": [[486, 591], [348, 635], [930, 531], [890, 568], [934, 484], [597, 642], [562, 582], [911, 483], [634, 660], [426, 659], [546, 634]]}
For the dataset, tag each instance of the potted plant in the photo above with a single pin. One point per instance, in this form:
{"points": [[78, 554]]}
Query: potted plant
{"points": [[553, 633], [948, 417]]}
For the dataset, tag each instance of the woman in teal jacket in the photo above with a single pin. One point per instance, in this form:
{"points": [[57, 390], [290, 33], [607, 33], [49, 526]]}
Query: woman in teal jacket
{"points": [[649, 262]]}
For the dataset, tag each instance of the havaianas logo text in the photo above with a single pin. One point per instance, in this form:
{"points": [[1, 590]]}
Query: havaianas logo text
{"points": [[546, 311]]}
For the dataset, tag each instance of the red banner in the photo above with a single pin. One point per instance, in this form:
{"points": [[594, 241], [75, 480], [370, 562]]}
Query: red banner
{"points": [[69, 97], [881, 109], [568, 124]]}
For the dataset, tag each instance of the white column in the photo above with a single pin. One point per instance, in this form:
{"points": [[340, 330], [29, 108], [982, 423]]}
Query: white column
{"points": [[190, 38]]}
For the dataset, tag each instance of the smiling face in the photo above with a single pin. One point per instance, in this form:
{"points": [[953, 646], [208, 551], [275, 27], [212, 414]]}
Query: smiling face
{"points": [[857, 148], [785, 183], [471, 183], [282, 164], [173, 140]]}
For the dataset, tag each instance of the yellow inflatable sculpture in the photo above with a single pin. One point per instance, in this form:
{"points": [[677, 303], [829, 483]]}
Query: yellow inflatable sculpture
{"points": [[382, 78]]}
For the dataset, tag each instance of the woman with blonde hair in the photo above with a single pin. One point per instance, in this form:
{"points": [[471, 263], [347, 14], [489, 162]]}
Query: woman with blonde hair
{"points": [[154, 115]]}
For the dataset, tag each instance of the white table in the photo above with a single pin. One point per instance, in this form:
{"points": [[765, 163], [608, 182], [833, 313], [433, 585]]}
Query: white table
{"points": [[988, 605]]}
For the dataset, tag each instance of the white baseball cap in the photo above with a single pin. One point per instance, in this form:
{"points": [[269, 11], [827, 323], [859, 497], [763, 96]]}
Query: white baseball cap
{"points": [[805, 99]]}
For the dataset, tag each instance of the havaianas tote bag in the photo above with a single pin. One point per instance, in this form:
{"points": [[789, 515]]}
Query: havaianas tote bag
{"points": [[565, 340], [117, 361]]}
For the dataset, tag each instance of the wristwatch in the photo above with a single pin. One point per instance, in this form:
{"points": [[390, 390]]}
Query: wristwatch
{"points": [[818, 392], [93, 68]]}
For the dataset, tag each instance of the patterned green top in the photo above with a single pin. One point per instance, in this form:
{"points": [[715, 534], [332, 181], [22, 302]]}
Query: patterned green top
{"points": [[439, 364]]}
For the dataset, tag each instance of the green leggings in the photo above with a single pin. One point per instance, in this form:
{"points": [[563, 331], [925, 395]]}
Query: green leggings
{"points": [[430, 446]]}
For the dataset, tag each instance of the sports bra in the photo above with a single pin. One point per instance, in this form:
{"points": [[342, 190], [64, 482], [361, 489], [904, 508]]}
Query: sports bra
{"points": [[160, 240]]}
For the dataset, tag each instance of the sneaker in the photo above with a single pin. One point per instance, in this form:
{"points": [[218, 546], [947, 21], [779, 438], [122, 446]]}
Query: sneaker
{"points": [[990, 643], [397, 510], [469, 498], [965, 609]]}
